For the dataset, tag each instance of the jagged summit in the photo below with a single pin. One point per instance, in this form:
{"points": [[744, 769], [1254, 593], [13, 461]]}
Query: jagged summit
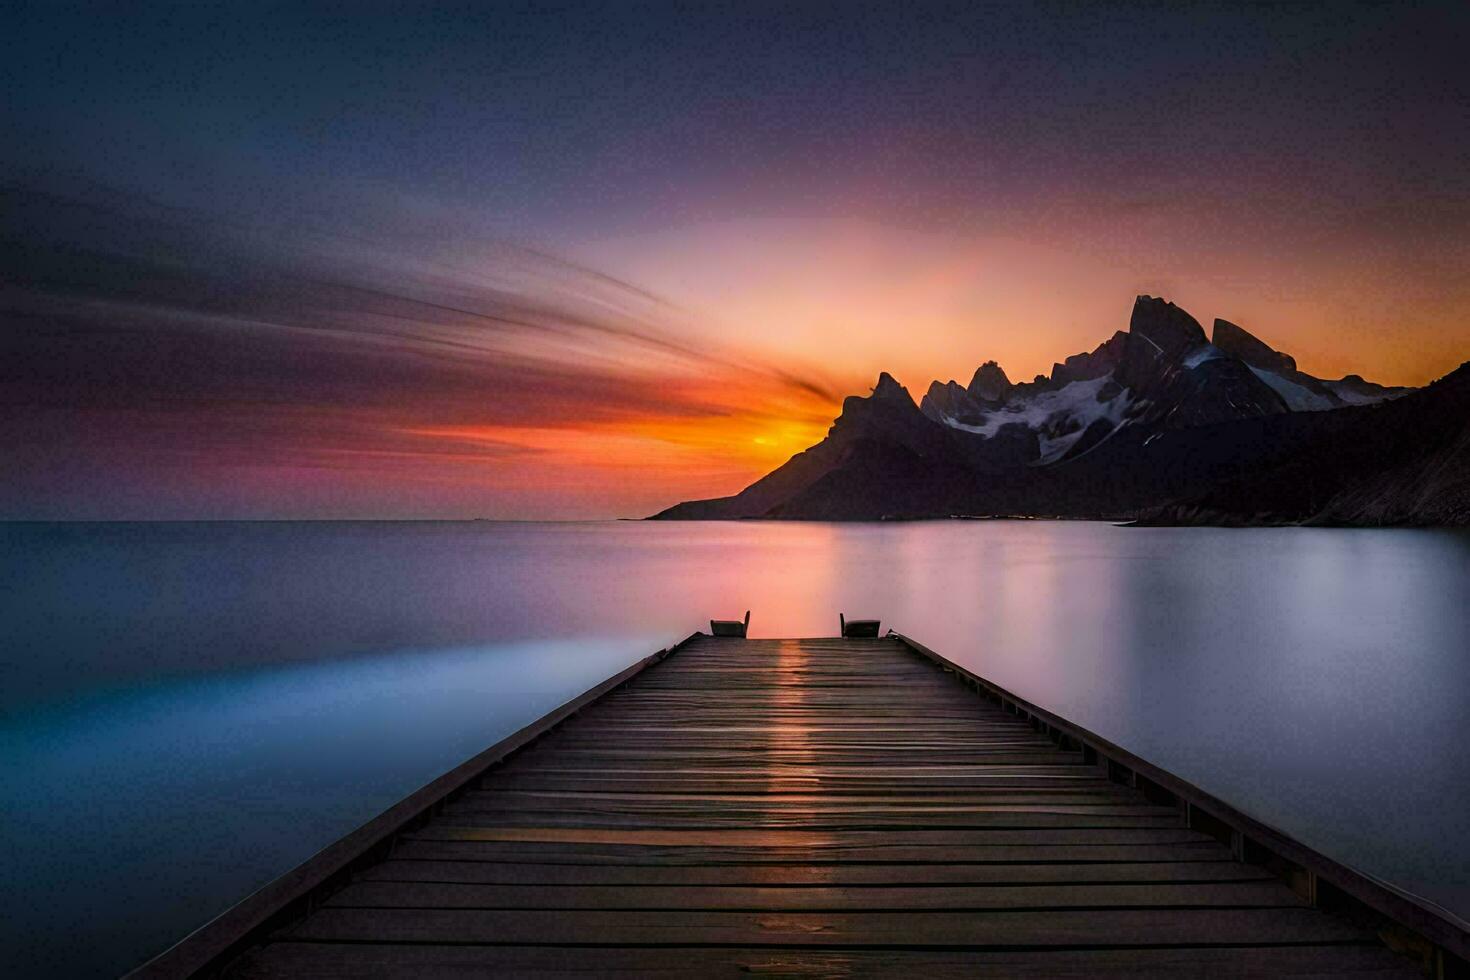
{"points": [[889, 388], [1103, 359], [1161, 372], [1241, 343], [949, 399], [990, 383], [1167, 328], [1159, 335]]}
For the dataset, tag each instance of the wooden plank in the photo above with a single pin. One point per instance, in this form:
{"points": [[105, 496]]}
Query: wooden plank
{"points": [[782, 759], [1012, 807], [449, 829], [387, 894], [836, 786], [1007, 809], [458, 850], [892, 774], [1104, 794], [325, 960], [1100, 928], [798, 820], [772, 874]]}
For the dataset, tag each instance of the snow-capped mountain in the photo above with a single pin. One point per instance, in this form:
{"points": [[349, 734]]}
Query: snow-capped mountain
{"points": [[1154, 417], [1161, 370]]}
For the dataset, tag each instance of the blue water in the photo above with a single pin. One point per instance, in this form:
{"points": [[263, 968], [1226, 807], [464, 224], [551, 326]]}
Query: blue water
{"points": [[187, 710]]}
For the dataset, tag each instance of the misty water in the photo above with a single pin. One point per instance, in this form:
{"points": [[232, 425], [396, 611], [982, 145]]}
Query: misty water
{"points": [[187, 710]]}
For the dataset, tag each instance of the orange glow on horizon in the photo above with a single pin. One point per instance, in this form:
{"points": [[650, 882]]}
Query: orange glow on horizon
{"points": [[713, 441], [681, 446]]}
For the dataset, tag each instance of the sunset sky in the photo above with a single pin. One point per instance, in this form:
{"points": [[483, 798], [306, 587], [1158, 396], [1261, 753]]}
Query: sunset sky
{"points": [[368, 260]]}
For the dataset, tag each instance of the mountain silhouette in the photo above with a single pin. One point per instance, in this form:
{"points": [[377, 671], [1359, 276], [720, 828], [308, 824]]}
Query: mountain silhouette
{"points": [[1159, 423]]}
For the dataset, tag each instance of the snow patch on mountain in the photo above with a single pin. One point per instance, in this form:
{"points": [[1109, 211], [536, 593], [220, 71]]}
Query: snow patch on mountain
{"points": [[1199, 355], [1297, 398], [1059, 417]]}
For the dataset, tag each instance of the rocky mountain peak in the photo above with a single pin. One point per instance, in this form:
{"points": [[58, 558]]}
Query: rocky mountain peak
{"points": [[1185, 381], [888, 389], [889, 402], [1084, 367], [1164, 327], [1159, 335], [1241, 343], [949, 400], [990, 383]]}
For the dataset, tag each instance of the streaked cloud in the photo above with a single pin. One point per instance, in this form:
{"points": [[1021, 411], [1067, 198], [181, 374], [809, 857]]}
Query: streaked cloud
{"points": [[147, 343]]}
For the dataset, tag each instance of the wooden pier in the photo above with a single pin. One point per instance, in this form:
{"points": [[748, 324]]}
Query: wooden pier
{"points": [[815, 807]]}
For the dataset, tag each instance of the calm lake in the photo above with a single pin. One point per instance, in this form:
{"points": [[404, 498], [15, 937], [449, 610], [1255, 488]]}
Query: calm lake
{"points": [[187, 710]]}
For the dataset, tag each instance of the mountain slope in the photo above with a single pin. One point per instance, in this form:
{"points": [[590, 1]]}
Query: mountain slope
{"points": [[883, 433], [1301, 391], [1406, 461]]}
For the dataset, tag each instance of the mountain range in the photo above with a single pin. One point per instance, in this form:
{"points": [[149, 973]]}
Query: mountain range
{"points": [[1158, 424]]}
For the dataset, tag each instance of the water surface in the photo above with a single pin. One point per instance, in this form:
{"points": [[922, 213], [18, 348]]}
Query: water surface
{"points": [[187, 710]]}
